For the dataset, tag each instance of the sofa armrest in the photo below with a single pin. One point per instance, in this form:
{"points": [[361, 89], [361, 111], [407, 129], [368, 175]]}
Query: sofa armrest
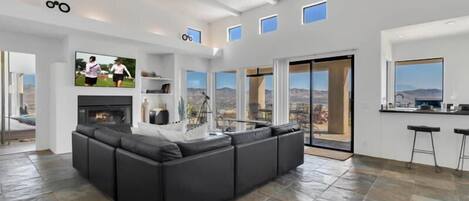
{"points": [[202, 177], [138, 178], [256, 164], [80, 153], [290, 151]]}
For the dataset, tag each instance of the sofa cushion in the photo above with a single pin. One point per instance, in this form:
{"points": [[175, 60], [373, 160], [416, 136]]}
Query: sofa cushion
{"points": [[284, 129], [151, 147], [250, 135], [192, 147], [109, 136], [86, 130]]}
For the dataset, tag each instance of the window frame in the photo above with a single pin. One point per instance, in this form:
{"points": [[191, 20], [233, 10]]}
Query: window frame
{"points": [[420, 60], [228, 39], [196, 30], [312, 5], [265, 18]]}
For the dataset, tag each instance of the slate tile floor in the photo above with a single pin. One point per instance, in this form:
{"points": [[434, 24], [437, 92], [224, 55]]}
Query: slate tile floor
{"points": [[47, 177]]}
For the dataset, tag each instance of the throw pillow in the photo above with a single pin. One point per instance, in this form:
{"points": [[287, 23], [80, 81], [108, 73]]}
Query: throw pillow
{"points": [[179, 126], [197, 133], [147, 129], [171, 135]]}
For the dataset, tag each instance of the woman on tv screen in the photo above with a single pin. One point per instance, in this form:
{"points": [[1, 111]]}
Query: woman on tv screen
{"points": [[91, 72], [118, 68]]}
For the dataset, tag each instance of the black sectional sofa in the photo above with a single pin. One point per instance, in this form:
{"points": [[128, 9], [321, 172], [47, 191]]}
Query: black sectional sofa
{"points": [[219, 167]]}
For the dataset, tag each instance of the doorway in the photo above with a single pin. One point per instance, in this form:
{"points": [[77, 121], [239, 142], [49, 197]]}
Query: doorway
{"points": [[321, 101], [17, 102]]}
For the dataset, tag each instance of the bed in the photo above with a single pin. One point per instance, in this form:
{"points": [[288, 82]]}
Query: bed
{"points": [[20, 127]]}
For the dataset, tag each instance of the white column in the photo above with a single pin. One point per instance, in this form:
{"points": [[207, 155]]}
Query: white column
{"points": [[240, 96], [211, 93], [281, 91]]}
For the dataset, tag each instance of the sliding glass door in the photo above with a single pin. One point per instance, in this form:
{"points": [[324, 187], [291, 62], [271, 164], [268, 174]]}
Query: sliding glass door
{"points": [[300, 97], [321, 101]]}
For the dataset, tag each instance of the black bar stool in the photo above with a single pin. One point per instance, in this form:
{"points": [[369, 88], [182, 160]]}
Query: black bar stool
{"points": [[426, 130], [462, 156]]}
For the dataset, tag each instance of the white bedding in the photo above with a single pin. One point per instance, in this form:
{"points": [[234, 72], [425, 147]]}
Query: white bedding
{"points": [[15, 125]]}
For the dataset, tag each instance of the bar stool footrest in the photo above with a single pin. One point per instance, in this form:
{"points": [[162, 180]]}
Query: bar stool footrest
{"points": [[424, 151]]}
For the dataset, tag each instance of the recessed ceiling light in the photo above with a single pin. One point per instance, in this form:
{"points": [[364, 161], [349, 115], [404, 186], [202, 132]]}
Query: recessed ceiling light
{"points": [[401, 36]]}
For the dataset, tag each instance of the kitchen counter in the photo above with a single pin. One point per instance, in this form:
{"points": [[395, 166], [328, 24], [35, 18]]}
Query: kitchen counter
{"points": [[417, 111]]}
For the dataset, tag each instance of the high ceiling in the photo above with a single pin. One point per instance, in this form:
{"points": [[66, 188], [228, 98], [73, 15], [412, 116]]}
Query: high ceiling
{"points": [[429, 30], [210, 10]]}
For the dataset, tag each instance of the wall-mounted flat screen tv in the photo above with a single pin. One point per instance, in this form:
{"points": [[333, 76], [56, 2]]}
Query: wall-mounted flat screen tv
{"points": [[96, 70]]}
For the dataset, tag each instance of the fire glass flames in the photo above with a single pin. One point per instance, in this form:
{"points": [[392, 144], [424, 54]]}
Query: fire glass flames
{"points": [[107, 117], [103, 117]]}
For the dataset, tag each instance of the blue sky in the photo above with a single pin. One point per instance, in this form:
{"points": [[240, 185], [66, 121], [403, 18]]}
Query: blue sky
{"points": [[228, 80], [269, 24], [315, 13], [297, 80], [29, 79], [419, 76], [225, 80], [235, 33], [196, 80], [195, 34], [301, 80]]}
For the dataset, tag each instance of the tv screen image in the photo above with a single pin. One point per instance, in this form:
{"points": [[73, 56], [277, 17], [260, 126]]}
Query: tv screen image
{"points": [[95, 70]]}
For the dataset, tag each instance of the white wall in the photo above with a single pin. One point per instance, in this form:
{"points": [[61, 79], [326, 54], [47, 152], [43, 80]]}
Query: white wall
{"points": [[47, 51], [138, 15], [133, 20], [454, 50], [350, 25], [66, 99], [66, 93], [396, 139]]}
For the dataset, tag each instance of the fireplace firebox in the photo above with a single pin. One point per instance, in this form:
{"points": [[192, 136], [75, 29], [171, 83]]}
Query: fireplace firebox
{"points": [[105, 110]]}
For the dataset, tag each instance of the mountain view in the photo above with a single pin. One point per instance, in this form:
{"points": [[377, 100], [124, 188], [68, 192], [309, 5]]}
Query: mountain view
{"points": [[411, 95], [226, 97]]}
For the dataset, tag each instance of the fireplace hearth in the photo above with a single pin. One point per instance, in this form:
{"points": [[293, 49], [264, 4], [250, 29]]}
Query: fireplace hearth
{"points": [[105, 110]]}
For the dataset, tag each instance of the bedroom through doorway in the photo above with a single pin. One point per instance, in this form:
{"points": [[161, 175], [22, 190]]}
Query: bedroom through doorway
{"points": [[17, 102]]}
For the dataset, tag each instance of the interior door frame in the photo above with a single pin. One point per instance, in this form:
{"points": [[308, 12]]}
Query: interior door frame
{"points": [[352, 97], [2, 97]]}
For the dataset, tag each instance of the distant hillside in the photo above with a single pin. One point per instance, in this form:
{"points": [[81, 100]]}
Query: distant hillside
{"points": [[226, 98], [302, 96], [410, 95]]}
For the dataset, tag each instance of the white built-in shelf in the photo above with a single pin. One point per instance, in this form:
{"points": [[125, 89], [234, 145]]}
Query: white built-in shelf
{"points": [[157, 78], [157, 94]]}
